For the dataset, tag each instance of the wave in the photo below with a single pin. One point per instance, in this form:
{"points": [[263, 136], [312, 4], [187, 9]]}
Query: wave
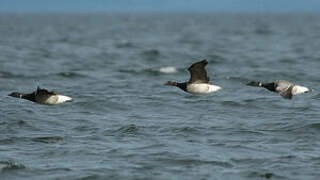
{"points": [[167, 70], [183, 130], [308, 128], [152, 53], [260, 175], [70, 75], [11, 75], [10, 165], [178, 159], [152, 71], [8, 75], [48, 139], [128, 129], [124, 44]]}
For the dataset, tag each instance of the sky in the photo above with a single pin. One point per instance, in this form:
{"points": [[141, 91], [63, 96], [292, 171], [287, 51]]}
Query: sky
{"points": [[87, 6]]}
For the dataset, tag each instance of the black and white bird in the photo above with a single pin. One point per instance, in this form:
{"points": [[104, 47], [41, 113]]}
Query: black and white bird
{"points": [[286, 89], [199, 80], [43, 96]]}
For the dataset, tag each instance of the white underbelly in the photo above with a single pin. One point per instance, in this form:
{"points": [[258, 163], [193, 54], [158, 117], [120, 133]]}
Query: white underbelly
{"points": [[202, 88], [299, 90], [55, 99], [62, 99]]}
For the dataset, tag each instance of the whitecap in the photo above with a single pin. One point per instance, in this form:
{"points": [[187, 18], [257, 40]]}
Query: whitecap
{"points": [[168, 70]]}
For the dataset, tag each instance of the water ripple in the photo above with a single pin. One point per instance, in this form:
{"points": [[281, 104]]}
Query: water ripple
{"points": [[48, 139], [10, 165]]}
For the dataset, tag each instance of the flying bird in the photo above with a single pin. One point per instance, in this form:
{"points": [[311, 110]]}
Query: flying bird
{"points": [[42, 96], [199, 80], [286, 89]]}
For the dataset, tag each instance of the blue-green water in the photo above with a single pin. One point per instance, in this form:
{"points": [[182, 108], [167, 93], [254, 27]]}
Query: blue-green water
{"points": [[124, 124]]}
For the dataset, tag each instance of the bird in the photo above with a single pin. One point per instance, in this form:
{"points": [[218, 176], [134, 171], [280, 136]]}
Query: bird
{"points": [[42, 96], [198, 82], [285, 88]]}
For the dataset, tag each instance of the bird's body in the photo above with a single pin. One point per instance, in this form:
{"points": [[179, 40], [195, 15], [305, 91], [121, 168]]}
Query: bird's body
{"points": [[43, 96], [285, 88], [199, 81], [202, 88]]}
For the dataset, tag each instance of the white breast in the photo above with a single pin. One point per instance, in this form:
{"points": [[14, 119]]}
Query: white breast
{"points": [[202, 88], [62, 99], [54, 99], [299, 90]]}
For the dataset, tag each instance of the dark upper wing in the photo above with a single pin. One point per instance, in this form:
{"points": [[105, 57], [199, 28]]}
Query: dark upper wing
{"points": [[198, 72], [45, 92], [287, 94]]}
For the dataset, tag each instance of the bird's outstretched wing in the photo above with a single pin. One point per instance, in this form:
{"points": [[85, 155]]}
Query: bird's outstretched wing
{"points": [[287, 94], [44, 91], [198, 72], [284, 88]]}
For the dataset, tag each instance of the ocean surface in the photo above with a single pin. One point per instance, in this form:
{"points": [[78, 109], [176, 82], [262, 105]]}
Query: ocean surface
{"points": [[125, 124]]}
